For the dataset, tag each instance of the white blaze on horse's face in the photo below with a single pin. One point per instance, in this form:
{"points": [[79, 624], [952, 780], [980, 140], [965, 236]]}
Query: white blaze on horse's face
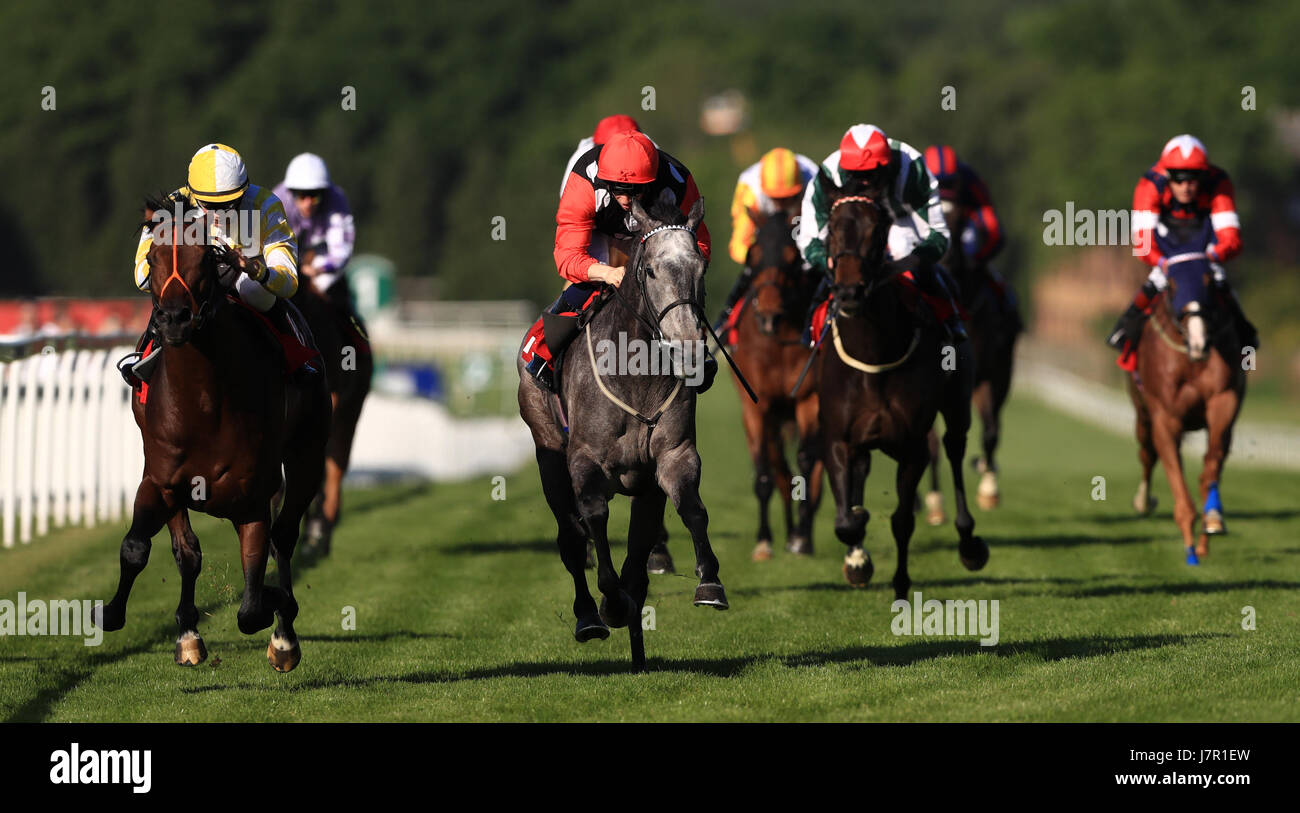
{"points": [[1195, 331]]}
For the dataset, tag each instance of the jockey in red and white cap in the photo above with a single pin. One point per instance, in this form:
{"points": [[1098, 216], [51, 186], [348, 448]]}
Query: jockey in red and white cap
{"points": [[1183, 188], [889, 171], [594, 216]]}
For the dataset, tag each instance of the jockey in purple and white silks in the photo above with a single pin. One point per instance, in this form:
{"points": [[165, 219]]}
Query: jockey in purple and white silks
{"points": [[320, 217]]}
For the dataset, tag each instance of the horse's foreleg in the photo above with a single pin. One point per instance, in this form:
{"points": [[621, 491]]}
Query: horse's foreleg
{"points": [[591, 494], [1166, 433], [257, 609], [678, 473], [1144, 502], [903, 522], [150, 514], [986, 494], [571, 539], [781, 479], [190, 650], [810, 468], [934, 514], [848, 481], [756, 439], [972, 550], [647, 518], [1220, 414]]}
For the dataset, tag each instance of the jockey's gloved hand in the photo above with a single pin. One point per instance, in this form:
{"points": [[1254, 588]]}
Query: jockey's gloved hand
{"points": [[228, 269]]}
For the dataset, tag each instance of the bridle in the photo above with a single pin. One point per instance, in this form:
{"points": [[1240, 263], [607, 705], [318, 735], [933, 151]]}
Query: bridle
{"points": [[202, 312]]}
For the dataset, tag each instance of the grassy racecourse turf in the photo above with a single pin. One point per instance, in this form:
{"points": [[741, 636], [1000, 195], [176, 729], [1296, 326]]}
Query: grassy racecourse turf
{"points": [[463, 610]]}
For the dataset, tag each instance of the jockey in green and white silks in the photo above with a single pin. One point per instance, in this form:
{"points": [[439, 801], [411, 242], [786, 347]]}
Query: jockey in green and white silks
{"points": [[894, 173]]}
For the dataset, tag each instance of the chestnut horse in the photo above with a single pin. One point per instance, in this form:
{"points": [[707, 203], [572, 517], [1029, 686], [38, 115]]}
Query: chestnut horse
{"points": [[349, 365], [993, 335], [883, 381], [1189, 376], [219, 422], [771, 356]]}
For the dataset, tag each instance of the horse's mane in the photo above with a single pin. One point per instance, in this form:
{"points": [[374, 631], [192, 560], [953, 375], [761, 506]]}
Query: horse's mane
{"points": [[167, 201], [666, 213]]}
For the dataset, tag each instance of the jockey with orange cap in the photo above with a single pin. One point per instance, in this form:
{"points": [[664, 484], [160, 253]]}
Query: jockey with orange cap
{"points": [[773, 185], [605, 129], [1183, 188], [889, 171], [263, 244], [594, 215]]}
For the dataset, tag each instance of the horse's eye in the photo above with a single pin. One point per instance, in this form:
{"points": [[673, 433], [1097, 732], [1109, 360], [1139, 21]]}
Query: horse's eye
{"points": [[650, 271]]}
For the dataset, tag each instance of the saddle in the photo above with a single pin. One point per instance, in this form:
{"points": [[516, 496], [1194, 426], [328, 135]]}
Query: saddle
{"points": [[545, 342], [924, 307]]}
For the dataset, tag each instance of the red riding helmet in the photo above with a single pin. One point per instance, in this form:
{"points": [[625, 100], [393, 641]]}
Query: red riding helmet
{"points": [[864, 147], [613, 125], [628, 158], [1185, 152]]}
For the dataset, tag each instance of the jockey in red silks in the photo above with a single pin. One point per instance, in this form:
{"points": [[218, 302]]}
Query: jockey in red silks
{"points": [[594, 217], [1183, 189]]}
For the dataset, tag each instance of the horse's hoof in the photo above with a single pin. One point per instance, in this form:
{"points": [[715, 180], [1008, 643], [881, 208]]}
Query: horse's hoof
{"points": [[1192, 558], [934, 508], [108, 618], [614, 618], [190, 650], [711, 594], [1145, 507], [589, 629], [800, 545], [282, 654], [1214, 523], [858, 567], [660, 562], [762, 551], [977, 559], [591, 556]]}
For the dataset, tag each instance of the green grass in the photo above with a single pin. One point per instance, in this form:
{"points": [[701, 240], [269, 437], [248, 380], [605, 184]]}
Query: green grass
{"points": [[463, 611]]}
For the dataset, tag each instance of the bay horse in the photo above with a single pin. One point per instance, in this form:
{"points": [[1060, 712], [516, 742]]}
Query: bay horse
{"points": [[219, 424], [620, 428], [349, 366], [883, 381], [1189, 376], [993, 336], [771, 355]]}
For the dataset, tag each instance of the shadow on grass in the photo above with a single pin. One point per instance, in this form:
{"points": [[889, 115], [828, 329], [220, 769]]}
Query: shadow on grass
{"points": [[1180, 588], [503, 546], [907, 654]]}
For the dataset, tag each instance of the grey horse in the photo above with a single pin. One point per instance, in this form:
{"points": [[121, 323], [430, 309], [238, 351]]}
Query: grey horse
{"points": [[624, 424]]}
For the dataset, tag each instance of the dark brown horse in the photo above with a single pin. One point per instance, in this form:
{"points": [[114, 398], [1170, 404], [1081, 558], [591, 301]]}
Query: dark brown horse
{"points": [[349, 365], [993, 332], [884, 378], [1189, 376], [218, 422], [771, 355]]}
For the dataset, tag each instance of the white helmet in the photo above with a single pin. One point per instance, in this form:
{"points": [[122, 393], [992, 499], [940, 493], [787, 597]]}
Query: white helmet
{"points": [[307, 171]]}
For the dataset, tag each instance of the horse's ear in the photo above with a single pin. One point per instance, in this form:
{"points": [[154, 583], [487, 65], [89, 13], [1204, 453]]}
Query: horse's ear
{"points": [[756, 217], [827, 182], [696, 215], [638, 212]]}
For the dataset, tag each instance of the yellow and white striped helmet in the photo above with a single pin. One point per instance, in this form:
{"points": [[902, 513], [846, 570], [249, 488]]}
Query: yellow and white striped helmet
{"points": [[217, 174]]}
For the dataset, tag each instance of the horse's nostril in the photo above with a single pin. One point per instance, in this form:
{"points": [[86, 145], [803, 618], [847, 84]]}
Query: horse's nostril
{"points": [[183, 316]]}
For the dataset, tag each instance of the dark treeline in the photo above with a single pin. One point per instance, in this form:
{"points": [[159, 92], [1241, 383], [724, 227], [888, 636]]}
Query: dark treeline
{"points": [[467, 111]]}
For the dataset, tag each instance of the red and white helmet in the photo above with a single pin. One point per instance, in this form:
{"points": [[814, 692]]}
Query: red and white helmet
{"points": [[863, 147], [628, 158], [1185, 152]]}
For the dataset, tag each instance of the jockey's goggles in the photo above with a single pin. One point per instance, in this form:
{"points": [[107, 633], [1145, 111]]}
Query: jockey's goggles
{"points": [[1185, 175]]}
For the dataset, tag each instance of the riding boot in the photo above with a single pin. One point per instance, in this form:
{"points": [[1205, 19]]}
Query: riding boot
{"points": [[135, 367], [1246, 332], [710, 372], [932, 278], [1129, 327], [819, 296], [286, 319], [738, 290]]}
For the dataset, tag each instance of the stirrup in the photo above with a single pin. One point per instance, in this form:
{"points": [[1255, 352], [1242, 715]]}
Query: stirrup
{"points": [[137, 368], [542, 373]]}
